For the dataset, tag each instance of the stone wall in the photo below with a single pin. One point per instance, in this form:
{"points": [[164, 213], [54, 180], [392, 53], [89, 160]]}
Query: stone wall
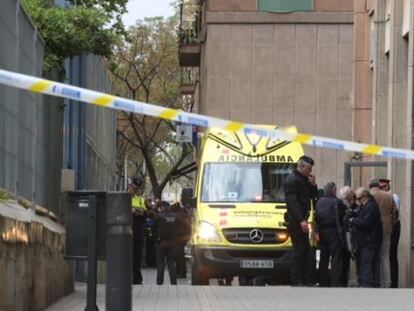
{"points": [[33, 273]]}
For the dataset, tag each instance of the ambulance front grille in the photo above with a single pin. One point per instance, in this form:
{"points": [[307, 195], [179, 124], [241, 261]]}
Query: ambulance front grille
{"points": [[244, 236]]}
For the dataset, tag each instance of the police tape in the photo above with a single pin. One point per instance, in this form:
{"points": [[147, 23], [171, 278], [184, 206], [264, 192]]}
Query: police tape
{"points": [[43, 86]]}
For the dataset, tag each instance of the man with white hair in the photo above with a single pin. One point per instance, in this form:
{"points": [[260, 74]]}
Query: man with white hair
{"points": [[367, 222], [347, 196]]}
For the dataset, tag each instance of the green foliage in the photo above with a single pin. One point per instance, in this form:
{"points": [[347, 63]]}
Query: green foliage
{"points": [[82, 28], [145, 68], [3, 195]]}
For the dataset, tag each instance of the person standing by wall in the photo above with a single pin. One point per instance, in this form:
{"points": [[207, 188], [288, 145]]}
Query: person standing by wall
{"points": [[300, 188], [138, 225], [386, 206], [395, 235]]}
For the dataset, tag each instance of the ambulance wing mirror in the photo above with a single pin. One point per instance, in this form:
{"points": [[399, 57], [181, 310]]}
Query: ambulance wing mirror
{"points": [[187, 198]]}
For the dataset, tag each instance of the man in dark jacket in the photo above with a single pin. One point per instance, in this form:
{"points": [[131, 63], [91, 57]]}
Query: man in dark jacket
{"points": [[300, 188], [166, 227], [367, 222], [329, 215]]}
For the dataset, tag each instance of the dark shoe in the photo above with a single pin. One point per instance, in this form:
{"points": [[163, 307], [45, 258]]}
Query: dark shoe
{"points": [[298, 285]]}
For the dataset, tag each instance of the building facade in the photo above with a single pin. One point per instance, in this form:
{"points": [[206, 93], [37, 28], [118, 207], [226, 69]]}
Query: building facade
{"points": [[89, 132], [334, 68], [384, 101], [279, 62]]}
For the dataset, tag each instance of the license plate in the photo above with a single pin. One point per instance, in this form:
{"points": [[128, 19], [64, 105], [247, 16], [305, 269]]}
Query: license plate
{"points": [[256, 264]]}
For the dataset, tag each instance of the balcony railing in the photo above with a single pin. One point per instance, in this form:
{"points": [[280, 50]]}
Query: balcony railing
{"points": [[189, 79], [189, 33]]}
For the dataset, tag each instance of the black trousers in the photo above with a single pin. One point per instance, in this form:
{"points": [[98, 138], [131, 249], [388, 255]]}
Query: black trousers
{"points": [[302, 268], [137, 248], [395, 239], [180, 260], [368, 265], [331, 251], [166, 252]]}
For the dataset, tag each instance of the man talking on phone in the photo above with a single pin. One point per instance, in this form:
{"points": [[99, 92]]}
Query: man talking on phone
{"points": [[300, 188]]}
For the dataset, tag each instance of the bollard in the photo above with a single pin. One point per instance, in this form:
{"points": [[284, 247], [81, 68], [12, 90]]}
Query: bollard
{"points": [[92, 264], [118, 251]]}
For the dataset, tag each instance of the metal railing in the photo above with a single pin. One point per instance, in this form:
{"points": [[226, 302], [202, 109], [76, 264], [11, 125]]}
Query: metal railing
{"points": [[189, 75]]}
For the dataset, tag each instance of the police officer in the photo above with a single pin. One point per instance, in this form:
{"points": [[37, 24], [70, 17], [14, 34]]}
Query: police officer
{"points": [[300, 188], [329, 214], [166, 226], [138, 225]]}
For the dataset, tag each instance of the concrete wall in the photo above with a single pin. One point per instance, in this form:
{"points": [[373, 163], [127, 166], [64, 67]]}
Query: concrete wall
{"points": [[282, 73], [33, 273], [30, 124], [90, 132]]}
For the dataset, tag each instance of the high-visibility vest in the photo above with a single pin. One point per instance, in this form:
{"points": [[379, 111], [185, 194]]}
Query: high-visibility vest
{"points": [[138, 202]]}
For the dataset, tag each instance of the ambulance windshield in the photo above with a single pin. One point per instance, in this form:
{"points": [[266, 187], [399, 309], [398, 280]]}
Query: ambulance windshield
{"points": [[244, 182]]}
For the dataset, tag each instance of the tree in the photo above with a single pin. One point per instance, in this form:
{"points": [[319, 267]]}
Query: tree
{"points": [[145, 68], [87, 26]]}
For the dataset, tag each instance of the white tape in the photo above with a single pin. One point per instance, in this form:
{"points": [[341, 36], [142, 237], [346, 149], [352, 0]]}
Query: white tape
{"points": [[43, 86]]}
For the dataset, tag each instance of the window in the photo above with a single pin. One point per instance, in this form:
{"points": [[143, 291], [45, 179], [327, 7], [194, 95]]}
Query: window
{"points": [[285, 5], [387, 26], [406, 18], [244, 182]]}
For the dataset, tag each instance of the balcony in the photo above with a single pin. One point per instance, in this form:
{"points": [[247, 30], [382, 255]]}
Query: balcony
{"points": [[189, 80], [189, 34]]}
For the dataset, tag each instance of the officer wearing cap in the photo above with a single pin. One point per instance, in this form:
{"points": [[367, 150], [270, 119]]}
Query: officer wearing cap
{"points": [[139, 210], [300, 188]]}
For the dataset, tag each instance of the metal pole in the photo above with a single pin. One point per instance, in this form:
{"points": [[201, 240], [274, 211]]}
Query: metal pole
{"points": [[92, 264], [118, 251], [126, 173]]}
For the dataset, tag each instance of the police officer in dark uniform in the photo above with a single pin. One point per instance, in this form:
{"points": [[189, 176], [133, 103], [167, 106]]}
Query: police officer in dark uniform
{"points": [[300, 188], [329, 215], [166, 225]]}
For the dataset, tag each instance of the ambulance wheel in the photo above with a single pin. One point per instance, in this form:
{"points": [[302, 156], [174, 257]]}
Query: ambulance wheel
{"points": [[197, 277]]}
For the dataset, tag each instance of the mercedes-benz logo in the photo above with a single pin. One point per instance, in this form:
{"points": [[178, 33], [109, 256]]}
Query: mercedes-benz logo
{"points": [[256, 236]]}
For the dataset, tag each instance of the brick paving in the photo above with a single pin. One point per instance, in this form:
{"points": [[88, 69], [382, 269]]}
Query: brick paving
{"points": [[232, 298]]}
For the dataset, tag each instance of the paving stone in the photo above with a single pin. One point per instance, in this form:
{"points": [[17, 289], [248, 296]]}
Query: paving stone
{"points": [[214, 297]]}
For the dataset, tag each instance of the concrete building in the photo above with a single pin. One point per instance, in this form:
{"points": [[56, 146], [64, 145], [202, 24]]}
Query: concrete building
{"points": [[278, 62], [384, 100], [336, 68]]}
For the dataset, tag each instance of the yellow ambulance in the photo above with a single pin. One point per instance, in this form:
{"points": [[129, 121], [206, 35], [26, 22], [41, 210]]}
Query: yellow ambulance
{"points": [[238, 227]]}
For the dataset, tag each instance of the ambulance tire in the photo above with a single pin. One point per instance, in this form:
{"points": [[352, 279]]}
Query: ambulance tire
{"points": [[197, 277]]}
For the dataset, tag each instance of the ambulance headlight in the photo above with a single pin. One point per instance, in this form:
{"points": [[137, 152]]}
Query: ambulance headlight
{"points": [[207, 232]]}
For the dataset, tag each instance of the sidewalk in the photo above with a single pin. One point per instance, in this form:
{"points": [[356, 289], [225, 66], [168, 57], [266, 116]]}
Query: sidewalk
{"points": [[232, 298]]}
